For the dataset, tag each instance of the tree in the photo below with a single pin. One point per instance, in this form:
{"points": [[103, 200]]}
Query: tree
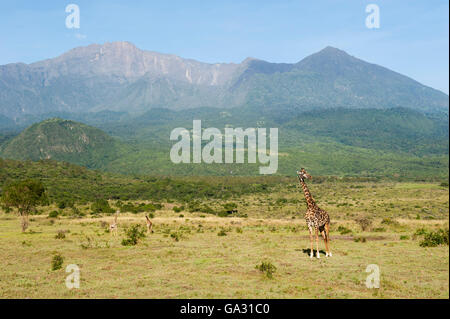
{"points": [[25, 196], [101, 206]]}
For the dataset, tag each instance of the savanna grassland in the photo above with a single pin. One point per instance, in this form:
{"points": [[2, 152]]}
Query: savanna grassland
{"points": [[210, 247]]}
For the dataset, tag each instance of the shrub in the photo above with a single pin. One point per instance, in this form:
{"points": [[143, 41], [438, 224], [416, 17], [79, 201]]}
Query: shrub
{"points": [[176, 236], [101, 206], [419, 232], [53, 214], [26, 243], [75, 212], [60, 235], [360, 239], [404, 237], [223, 214], [222, 233], [390, 221], [343, 230], [134, 233], [363, 222], [229, 206], [62, 205], [433, 239], [177, 209], [57, 262], [267, 268]]}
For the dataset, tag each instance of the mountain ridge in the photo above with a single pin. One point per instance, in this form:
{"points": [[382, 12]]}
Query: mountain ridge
{"points": [[118, 76]]}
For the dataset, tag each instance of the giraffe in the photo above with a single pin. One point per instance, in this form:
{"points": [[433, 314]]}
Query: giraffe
{"points": [[316, 218], [113, 226], [149, 224]]}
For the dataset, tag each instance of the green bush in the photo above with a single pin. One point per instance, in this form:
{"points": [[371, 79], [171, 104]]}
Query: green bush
{"points": [[131, 208], [359, 239], [177, 209], [229, 206], [101, 206], [57, 262], [437, 238], [222, 232], [343, 230], [390, 221], [62, 205], [176, 236], [267, 268], [223, 214], [75, 212], [53, 214], [134, 233]]}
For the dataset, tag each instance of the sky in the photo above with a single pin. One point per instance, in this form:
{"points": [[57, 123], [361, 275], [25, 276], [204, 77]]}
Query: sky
{"points": [[412, 37]]}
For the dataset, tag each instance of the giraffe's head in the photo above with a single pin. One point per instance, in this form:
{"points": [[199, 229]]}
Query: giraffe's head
{"points": [[302, 174]]}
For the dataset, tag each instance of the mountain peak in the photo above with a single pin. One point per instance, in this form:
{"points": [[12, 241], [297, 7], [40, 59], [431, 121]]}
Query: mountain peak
{"points": [[332, 50], [329, 53], [329, 57]]}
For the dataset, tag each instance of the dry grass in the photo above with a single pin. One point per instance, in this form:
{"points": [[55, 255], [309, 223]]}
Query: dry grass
{"points": [[204, 265]]}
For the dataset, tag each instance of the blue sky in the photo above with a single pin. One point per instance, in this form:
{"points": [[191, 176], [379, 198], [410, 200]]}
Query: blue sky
{"points": [[412, 38]]}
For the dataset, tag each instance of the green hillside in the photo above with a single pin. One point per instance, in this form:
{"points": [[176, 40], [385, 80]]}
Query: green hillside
{"points": [[394, 143], [63, 140], [366, 142]]}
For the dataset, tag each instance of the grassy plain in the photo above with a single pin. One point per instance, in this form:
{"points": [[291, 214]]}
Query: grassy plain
{"points": [[200, 255]]}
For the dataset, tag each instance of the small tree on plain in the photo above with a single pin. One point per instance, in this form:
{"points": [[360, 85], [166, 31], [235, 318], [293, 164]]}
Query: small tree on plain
{"points": [[25, 196]]}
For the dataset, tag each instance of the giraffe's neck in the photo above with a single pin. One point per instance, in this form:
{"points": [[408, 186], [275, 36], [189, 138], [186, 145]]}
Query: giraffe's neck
{"points": [[309, 199]]}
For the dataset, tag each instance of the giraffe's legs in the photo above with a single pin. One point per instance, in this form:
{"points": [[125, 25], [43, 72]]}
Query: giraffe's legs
{"points": [[325, 240], [327, 234], [311, 254], [317, 242]]}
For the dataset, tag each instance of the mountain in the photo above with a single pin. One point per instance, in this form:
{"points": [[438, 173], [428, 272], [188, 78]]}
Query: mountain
{"points": [[63, 140], [336, 114], [120, 77], [333, 78]]}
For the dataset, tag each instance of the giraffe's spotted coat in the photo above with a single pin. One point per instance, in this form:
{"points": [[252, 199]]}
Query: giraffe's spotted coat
{"points": [[316, 218]]}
